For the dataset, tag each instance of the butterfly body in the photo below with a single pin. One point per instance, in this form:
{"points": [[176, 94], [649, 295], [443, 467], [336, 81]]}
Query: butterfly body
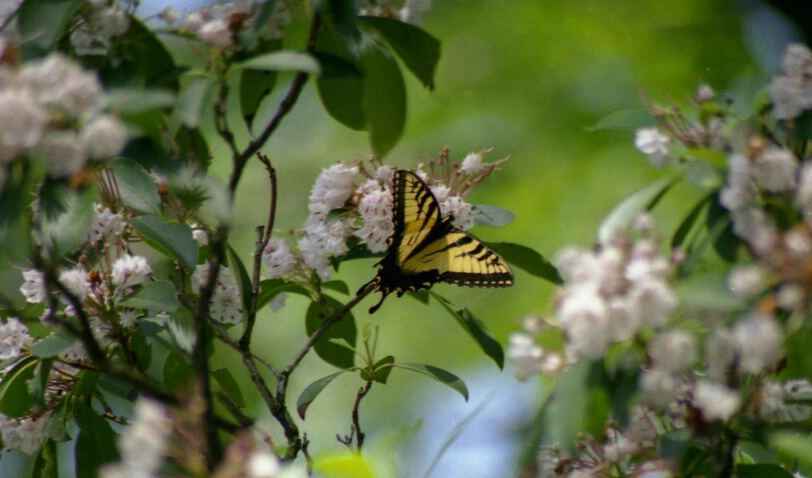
{"points": [[425, 248]]}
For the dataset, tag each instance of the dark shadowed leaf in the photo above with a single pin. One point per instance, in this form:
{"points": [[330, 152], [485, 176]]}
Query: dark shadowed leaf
{"points": [[344, 329], [442, 376], [229, 385], [687, 224], [527, 260], [341, 90], [762, 470], [384, 98], [15, 399], [477, 330], [96, 443], [312, 391], [46, 464], [418, 50], [42, 23]]}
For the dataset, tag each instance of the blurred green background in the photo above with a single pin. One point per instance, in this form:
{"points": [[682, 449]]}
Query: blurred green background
{"points": [[528, 79]]}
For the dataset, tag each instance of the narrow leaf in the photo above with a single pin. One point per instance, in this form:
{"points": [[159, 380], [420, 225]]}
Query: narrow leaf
{"points": [[477, 330], [418, 50], [688, 223], [442, 376], [194, 99], [38, 385], [158, 296], [46, 465], [527, 260], [283, 61], [623, 215], [96, 443], [312, 391], [270, 288], [136, 186], [240, 277], [492, 216], [172, 240], [138, 100], [230, 385]]}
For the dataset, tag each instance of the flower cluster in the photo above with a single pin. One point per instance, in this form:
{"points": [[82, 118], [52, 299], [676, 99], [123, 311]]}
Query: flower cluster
{"points": [[349, 203], [226, 303], [96, 26], [144, 444], [791, 93], [409, 11], [219, 25], [53, 111]]}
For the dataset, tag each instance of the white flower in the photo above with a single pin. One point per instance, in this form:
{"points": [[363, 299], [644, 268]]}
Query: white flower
{"points": [[75, 280], [194, 21], [104, 137], [715, 401], [803, 195], [130, 270], [169, 15], [375, 208], [216, 33], [13, 337], [262, 464], [658, 388], [127, 318], [60, 83], [745, 281], [24, 434], [673, 351], [320, 241], [226, 302], [472, 163], [461, 211], [22, 123], [413, 10], [105, 223], [704, 93], [385, 174], [143, 445], [440, 192], [585, 318], [278, 258], [720, 353], [738, 191], [34, 286], [332, 189], [775, 169], [62, 153], [654, 144], [525, 355], [792, 93], [652, 301], [757, 340]]}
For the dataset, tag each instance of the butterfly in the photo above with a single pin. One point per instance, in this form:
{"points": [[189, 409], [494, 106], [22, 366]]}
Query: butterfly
{"points": [[425, 248]]}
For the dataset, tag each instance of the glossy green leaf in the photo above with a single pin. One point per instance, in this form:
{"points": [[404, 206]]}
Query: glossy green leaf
{"points": [[442, 376], [15, 399], [172, 240], [194, 100], [630, 119], [239, 275], [345, 329], [334, 66], [623, 215], [38, 385], [96, 443], [229, 385], [42, 23], [762, 470], [255, 86], [135, 186], [492, 216], [381, 370], [527, 260], [157, 296], [342, 95], [418, 50], [341, 16], [384, 98], [477, 330], [283, 61], [312, 391], [46, 463], [53, 344]]}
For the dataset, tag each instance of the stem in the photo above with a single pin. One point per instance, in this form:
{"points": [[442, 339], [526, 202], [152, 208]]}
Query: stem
{"points": [[356, 424]]}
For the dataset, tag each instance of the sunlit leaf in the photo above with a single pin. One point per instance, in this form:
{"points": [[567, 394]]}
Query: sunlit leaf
{"points": [[438, 374], [344, 465], [172, 240], [312, 391], [135, 186], [283, 61], [194, 100], [46, 464], [794, 445]]}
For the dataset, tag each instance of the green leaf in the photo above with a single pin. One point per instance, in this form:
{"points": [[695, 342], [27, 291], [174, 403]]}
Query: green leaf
{"points": [[53, 344], [96, 443], [334, 66], [57, 425], [381, 369], [762, 470], [312, 391], [725, 242], [193, 146], [39, 383], [477, 330], [172, 240], [194, 99], [15, 399], [136, 186], [157, 296], [46, 464], [240, 277], [527, 260], [492, 216], [255, 86], [270, 288], [65, 233], [342, 95], [41, 23], [177, 371], [793, 445], [630, 119], [384, 98], [337, 286], [142, 60], [622, 216], [229, 385], [343, 329], [283, 61], [442, 376], [344, 465], [688, 223], [138, 100], [88, 382], [418, 50]]}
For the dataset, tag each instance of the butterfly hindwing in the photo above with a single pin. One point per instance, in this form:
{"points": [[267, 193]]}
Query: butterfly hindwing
{"points": [[426, 248]]}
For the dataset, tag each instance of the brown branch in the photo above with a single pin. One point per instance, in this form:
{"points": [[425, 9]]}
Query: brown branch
{"points": [[356, 424]]}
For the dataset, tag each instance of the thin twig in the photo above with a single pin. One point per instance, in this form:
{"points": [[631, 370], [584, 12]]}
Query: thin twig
{"points": [[356, 423]]}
